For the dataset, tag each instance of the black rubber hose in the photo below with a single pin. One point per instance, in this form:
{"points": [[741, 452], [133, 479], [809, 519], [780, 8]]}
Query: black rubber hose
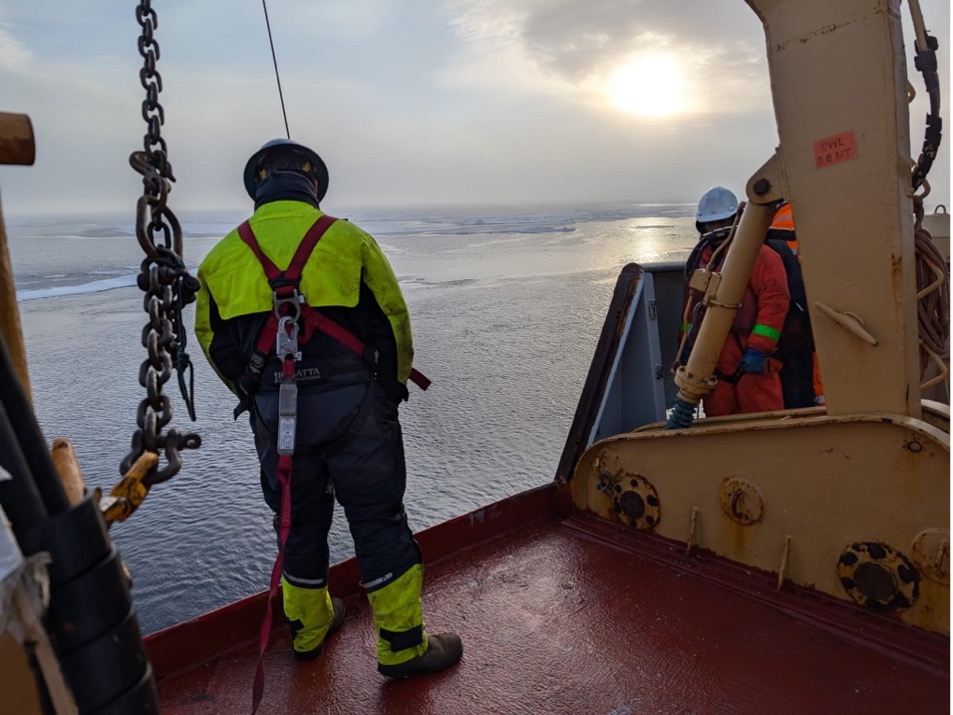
{"points": [[683, 414], [18, 495], [91, 620], [28, 434]]}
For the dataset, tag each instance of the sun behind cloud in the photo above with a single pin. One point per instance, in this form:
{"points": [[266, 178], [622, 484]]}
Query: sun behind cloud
{"points": [[649, 85]]}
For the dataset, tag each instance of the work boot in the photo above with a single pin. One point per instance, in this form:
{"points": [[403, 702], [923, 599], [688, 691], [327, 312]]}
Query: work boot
{"points": [[443, 650], [338, 620]]}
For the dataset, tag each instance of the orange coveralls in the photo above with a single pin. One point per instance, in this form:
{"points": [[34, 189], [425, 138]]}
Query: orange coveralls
{"points": [[757, 324]]}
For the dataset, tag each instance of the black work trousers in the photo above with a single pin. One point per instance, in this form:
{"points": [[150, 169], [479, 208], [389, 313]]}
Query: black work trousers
{"points": [[367, 475]]}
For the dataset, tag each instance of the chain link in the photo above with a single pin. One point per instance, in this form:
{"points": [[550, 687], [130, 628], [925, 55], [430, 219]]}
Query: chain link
{"points": [[163, 277]]}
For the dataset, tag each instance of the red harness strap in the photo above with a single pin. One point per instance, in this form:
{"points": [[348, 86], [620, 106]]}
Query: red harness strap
{"points": [[293, 272], [284, 528], [315, 320]]}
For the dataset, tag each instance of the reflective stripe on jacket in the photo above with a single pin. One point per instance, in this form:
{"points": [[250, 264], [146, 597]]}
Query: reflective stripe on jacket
{"points": [[783, 218], [232, 277]]}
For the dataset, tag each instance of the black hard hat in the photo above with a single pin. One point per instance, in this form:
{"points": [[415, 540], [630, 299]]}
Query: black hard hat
{"points": [[318, 167]]}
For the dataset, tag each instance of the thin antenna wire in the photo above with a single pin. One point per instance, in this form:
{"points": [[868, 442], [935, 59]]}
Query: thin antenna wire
{"points": [[275, 60]]}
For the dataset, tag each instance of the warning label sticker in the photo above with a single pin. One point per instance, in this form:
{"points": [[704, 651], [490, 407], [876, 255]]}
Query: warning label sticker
{"points": [[834, 150]]}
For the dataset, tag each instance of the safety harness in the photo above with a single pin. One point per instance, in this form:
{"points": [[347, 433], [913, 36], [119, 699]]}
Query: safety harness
{"points": [[280, 335], [290, 304]]}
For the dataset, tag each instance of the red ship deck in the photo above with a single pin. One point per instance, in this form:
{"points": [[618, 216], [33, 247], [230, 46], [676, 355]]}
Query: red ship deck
{"points": [[578, 616]]}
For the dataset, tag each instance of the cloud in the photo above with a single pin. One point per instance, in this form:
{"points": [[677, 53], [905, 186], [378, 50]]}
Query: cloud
{"points": [[570, 48], [573, 47], [13, 53]]}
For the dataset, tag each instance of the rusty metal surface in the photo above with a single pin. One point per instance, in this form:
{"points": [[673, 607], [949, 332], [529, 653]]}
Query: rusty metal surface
{"points": [[10, 326], [820, 483], [17, 145], [634, 499], [878, 577], [19, 687], [931, 554], [583, 617], [741, 501], [67, 465]]}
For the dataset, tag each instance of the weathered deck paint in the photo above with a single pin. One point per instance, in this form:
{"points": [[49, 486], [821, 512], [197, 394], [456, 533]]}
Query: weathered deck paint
{"points": [[574, 616]]}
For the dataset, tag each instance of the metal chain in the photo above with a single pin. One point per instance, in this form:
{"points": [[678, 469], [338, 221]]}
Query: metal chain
{"points": [[163, 277]]}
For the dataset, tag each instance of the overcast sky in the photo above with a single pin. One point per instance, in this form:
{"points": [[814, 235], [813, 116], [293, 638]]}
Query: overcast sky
{"points": [[410, 102]]}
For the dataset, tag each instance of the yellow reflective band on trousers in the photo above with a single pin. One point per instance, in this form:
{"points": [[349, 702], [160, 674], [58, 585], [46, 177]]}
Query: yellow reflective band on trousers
{"points": [[312, 607], [397, 608]]}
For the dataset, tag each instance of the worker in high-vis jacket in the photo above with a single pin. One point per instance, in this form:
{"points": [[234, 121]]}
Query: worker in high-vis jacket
{"points": [[747, 370], [302, 317]]}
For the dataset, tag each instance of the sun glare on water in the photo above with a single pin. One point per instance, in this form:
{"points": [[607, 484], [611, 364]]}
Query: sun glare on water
{"points": [[650, 85]]}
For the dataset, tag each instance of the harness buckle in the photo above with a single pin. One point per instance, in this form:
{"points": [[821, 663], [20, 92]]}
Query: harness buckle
{"points": [[294, 301], [287, 415], [733, 378], [286, 345]]}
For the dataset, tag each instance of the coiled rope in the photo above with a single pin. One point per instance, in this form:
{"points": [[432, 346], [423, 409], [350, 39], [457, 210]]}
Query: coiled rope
{"points": [[933, 300]]}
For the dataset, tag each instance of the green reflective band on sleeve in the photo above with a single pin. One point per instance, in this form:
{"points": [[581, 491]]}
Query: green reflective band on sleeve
{"points": [[766, 331], [685, 327]]}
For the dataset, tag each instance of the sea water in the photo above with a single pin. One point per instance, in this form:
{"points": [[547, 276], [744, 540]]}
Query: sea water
{"points": [[506, 307]]}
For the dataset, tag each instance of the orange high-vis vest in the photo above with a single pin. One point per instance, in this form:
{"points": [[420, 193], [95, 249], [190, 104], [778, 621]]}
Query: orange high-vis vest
{"points": [[784, 221], [783, 218]]}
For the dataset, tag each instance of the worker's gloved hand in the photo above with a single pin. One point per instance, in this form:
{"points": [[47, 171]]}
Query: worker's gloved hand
{"points": [[753, 362]]}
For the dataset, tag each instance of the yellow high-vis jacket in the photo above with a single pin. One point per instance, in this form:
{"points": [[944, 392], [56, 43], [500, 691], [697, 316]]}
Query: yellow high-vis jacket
{"points": [[348, 278]]}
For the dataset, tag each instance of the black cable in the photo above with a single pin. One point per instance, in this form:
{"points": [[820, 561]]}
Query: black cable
{"points": [[18, 495], [925, 61], [274, 59], [36, 452]]}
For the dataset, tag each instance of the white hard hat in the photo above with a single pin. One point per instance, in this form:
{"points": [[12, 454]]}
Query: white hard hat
{"points": [[716, 204]]}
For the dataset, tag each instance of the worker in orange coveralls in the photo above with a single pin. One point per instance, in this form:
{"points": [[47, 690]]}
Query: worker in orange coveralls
{"points": [[748, 373], [782, 228]]}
